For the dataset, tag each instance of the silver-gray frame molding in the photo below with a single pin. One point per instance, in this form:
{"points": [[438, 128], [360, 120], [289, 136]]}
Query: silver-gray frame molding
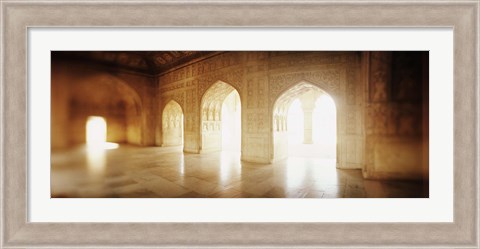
{"points": [[18, 15]]}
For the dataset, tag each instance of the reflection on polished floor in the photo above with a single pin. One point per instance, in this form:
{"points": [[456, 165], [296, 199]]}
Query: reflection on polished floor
{"points": [[139, 172]]}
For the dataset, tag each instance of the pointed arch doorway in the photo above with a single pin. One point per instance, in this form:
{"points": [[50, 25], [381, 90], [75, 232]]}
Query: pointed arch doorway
{"points": [[172, 123], [304, 123], [220, 119]]}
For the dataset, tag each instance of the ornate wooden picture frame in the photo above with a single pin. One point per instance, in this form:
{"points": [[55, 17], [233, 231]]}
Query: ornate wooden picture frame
{"points": [[18, 16]]}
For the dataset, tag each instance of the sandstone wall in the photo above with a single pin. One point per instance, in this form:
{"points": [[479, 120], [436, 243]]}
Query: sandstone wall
{"points": [[396, 115], [172, 123], [124, 99], [260, 79], [382, 114]]}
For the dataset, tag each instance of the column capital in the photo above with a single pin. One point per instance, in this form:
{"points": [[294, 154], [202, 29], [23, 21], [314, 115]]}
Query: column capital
{"points": [[308, 100]]}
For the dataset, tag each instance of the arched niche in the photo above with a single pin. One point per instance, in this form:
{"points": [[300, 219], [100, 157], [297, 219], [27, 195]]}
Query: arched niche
{"points": [[109, 97], [211, 114], [172, 124]]}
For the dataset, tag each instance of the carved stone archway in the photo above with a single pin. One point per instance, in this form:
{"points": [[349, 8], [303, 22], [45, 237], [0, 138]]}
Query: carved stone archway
{"points": [[210, 116], [280, 114], [172, 124], [109, 97]]}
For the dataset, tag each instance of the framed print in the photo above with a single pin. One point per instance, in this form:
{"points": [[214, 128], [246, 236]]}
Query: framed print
{"points": [[113, 114]]}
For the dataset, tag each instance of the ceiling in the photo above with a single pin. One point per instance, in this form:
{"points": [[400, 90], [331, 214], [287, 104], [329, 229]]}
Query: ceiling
{"points": [[150, 62]]}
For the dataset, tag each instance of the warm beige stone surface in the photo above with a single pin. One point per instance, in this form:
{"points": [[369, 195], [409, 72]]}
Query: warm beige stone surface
{"points": [[80, 90], [146, 172], [379, 99], [172, 123], [396, 117], [261, 78], [211, 123]]}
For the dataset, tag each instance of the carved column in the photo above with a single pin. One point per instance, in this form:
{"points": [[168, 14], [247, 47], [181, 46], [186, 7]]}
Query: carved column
{"points": [[307, 125], [308, 104]]}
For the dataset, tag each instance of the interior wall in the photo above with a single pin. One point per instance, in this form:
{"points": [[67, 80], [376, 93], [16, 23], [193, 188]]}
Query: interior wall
{"points": [[396, 115], [59, 107], [80, 90], [425, 119], [136, 127], [260, 78], [114, 116], [378, 96]]}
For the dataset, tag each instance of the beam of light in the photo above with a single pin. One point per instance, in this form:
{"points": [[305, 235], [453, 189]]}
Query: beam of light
{"points": [[296, 173], [225, 167], [182, 164], [295, 122], [96, 161], [230, 166], [324, 121], [324, 129], [231, 123], [96, 129], [231, 137]]}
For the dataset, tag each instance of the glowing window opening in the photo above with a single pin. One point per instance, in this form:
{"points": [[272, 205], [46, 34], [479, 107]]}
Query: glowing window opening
{"points": [[96, 136]]}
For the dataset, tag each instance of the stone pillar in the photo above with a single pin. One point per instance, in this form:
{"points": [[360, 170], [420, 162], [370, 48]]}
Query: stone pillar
{"points": [[308, 104], [307, 125]]}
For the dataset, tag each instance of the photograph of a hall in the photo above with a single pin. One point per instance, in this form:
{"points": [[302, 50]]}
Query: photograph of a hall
{"points": [[239, 124]]}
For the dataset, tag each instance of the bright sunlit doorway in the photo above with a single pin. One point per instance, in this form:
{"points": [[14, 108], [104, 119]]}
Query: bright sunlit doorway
{"points": [[96, 137], [221, 119], [305, 124], [96, 134], [323, 140], [231, 123], [96, 130]]}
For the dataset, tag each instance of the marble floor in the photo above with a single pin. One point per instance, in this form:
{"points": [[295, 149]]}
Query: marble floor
{"points": [[166, 172]]}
